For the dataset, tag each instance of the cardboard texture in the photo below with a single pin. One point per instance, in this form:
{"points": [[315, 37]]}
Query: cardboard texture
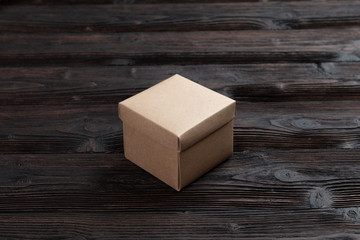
{"points": [[177, 130]]}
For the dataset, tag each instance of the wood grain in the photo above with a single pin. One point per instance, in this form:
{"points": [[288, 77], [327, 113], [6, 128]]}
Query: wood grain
{"points": [[260, 194], [60, 129], [180, 47], [184, 17], [114, 2], [297, 124], [246, 224], [96, 128], [243, 82], [268, 178]]}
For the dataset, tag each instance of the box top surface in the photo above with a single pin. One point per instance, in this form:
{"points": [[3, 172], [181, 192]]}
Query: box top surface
{"points": [[181, 108]]}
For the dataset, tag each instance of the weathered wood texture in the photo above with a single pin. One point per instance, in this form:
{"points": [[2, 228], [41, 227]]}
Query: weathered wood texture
{"points": [[247, 224], [324, 45], [243, 82], [184, 17], [115, 2], [96, 128], [268, 193], [292, 66]]}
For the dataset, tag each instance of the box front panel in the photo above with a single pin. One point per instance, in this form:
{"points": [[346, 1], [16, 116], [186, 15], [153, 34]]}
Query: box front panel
{"points": [[151, 156], [206, 154]]}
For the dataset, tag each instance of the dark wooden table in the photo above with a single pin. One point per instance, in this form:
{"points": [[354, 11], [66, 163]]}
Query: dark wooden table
{"points": [[292, 66]]}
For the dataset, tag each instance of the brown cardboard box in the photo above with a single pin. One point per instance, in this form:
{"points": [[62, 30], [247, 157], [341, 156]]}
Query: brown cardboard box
{"points": [[177, 130]]}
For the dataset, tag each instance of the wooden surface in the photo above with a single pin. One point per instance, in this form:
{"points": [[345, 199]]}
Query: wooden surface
{"points": [[292, 66]]}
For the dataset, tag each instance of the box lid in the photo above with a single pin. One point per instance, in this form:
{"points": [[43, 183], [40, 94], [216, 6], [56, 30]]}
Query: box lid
{"points": [[177, 112]]}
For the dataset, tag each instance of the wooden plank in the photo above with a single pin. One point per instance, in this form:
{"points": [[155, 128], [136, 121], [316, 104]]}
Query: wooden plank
{"points": [[96, 128], [325, 45], [60, 2], [184, 17], [297, 124], [264, 179], [250, 82], [114, 2], [294, 224], [60, 129]]}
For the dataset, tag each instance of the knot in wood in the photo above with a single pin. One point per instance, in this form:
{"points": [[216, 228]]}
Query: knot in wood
{"points": [[286, 175], [320, 198]]}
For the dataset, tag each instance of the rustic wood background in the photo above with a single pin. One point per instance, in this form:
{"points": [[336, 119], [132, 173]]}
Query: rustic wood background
{"points": [[292, 66]]}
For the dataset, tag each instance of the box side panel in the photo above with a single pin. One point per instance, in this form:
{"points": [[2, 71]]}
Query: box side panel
{"points": [[206, 154], [205, 128], [151, 156]]}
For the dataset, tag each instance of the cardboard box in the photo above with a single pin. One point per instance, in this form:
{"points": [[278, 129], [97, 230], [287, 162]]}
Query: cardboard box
{"points": [[177, 130]]}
